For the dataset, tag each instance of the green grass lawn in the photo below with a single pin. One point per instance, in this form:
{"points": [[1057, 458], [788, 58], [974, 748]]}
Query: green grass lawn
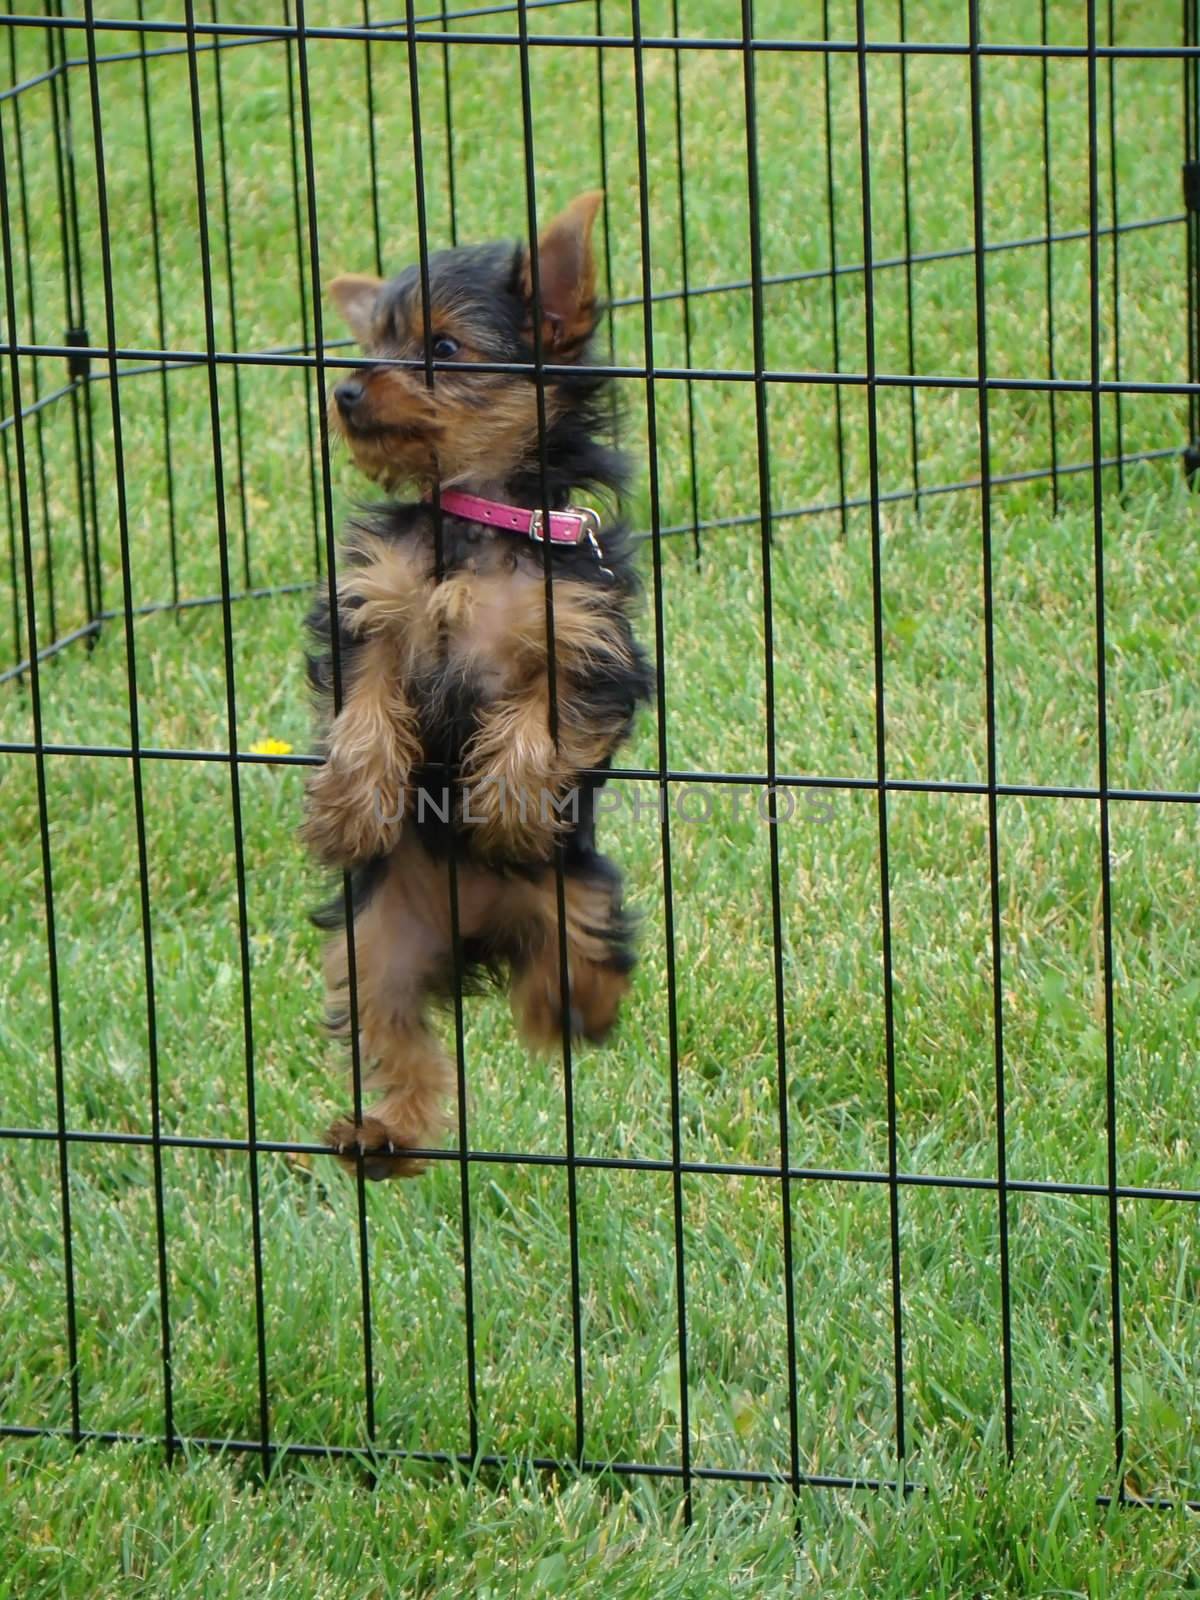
{"points": [[113, 1520]]}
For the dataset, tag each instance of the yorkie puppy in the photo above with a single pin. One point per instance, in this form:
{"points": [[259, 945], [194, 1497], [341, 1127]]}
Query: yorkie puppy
{"points": [[478, 710]]}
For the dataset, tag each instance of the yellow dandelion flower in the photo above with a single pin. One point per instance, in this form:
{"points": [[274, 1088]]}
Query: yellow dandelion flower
{"points": [[270, 747]]}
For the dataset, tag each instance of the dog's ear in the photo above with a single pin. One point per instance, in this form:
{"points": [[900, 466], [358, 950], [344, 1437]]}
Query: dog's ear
{"points": [[566, 275], [354, 295]]}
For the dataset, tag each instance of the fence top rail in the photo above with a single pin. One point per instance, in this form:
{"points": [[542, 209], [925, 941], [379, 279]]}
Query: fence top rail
{"points": [[506, 8], [421, 34]]}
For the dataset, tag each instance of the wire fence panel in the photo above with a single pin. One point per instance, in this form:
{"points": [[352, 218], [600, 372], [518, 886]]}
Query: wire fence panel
{"points": [[892, 1153]]}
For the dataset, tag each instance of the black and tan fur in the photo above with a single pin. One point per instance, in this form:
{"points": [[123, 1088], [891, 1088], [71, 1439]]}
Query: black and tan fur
{"points": [[445, 666]]}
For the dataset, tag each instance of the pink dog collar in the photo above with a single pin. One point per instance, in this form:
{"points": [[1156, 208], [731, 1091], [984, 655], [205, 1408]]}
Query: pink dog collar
{"points": [[572, 526]]}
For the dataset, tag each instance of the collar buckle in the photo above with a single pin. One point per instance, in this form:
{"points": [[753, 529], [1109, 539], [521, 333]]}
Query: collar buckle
{"points": [[587, 521]]}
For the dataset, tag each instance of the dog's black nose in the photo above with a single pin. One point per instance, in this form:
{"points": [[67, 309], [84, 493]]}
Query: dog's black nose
{"points": [[348, 395]]}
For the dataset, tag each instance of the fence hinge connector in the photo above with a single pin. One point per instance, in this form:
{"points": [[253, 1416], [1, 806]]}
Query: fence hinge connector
{"points": [[1191, 185], [78, 366]]}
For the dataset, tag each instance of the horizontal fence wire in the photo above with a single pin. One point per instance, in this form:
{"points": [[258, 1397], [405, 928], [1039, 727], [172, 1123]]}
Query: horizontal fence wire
{"points": [[697, 778], [383, 33], [854, 278], [746, 375], [716, 1169]]}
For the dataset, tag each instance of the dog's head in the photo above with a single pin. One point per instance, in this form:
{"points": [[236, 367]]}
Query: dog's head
{"points": [[470, 427]]}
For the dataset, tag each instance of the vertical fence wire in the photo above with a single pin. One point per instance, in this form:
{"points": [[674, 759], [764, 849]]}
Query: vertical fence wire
{"points": [[239, 446], [139, 800], [885, 892], [14, 566], [339, 688], [39, 760], [160, 320], [372, 140], [14, 571], [766, 530], [448, 113], [1189, 228], [314, 430], [989, 639], [460, 1048], [660, 667], [460, 1055], [909, 319], [1106, 910], [75, 301], [831, 234], [564, 977], [1191, 194], [1048, 223], [231, 716], [602, 140], [1115, 221], [685, 288], [31, 298]]}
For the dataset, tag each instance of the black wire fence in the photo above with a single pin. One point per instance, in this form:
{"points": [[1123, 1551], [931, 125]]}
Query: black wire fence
{"points": [[113, 122]]}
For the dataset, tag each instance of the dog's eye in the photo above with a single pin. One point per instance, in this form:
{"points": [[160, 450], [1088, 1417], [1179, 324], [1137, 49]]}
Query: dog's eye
{"points": [[444, 347]]}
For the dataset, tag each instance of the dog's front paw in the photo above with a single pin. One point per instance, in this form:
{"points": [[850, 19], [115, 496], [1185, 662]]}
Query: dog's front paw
{"points": [[383, 1154], [516, 817], [350, 818]]}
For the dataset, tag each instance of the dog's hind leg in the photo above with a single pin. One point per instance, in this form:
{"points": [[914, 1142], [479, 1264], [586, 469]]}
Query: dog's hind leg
{"points": [[401, 955], [599, 949]]}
